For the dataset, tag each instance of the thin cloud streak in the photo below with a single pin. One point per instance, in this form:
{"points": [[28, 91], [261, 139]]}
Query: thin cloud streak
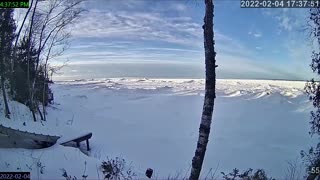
{"points": [[138, 26]]}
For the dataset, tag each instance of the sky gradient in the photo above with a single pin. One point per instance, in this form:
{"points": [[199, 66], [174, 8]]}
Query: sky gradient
{"points": [[254, 43]]}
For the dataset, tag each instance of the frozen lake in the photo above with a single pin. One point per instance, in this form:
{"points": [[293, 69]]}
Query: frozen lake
{"points": [[154, 122]]}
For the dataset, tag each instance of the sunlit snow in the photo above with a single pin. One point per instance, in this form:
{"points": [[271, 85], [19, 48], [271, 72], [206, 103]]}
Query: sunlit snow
{"points": [[154, 123]]}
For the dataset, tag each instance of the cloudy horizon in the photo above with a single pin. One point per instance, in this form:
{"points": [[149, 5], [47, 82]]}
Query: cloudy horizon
{"points": [[251, 43]]}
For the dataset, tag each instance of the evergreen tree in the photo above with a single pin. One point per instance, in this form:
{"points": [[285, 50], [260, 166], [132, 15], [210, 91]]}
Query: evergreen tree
{"points": [[24, 69], [7, 35], [25, 73], [312, 157]]}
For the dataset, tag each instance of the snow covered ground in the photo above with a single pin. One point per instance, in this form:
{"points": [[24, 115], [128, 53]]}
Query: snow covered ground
{"points": [[154, 123]]}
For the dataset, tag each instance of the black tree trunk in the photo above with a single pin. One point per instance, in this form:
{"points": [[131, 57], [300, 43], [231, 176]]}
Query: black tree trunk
{"points": [[6, 106]]}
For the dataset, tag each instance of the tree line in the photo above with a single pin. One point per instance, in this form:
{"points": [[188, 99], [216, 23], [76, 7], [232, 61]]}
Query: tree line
{"points": [[26, 48]]}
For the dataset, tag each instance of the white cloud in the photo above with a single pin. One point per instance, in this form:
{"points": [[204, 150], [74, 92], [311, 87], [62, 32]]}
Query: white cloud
{"points": [[289, 19], [179, 7], [101, 44], [139, 26], [171, 49], [131, 53], [285, 23], [256, 34], [151, 25]]}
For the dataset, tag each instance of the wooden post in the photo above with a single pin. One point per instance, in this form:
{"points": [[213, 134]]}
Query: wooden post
{"points": [[88, 148]]}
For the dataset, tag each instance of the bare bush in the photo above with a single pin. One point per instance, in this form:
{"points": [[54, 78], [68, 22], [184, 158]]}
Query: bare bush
{"points": [[116, 169], [259, 174]]}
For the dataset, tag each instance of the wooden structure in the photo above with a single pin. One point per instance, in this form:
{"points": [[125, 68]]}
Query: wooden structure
{"points": [[30, 139], [39, 139], [78, 140]]}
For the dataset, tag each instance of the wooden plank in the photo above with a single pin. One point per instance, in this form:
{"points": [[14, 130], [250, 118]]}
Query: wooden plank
{"points": [[14, 133], [85, 137], [88, 148], [79, 139]]}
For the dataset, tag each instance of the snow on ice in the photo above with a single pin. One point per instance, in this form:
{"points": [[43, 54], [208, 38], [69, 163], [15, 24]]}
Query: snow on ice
{"points": [[154, 123]]}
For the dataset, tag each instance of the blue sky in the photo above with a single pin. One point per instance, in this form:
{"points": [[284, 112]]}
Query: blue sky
{"points": [[260, 43]]}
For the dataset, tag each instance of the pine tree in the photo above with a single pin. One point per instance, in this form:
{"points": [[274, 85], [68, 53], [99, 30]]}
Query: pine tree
{"points": [[24, 68], [7, 35], [25, 73], [313, 90]]}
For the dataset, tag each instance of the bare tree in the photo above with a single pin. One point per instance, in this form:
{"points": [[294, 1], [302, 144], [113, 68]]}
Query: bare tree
{"points": [[29, 42], [48, 31], [58, 39], [210, 94], [55, 69]]}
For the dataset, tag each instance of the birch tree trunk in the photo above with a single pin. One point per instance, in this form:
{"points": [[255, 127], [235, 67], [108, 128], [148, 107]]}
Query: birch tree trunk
{"points": [[29, 57], [210, 94]]}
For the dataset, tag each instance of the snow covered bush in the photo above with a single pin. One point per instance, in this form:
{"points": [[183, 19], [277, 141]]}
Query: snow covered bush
{"points": [[312, 159], [259, 174], [116, 169], [69, 177]]}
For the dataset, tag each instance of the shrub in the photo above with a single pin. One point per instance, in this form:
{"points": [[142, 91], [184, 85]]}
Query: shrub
{"points": [[259, 174], [116, 169]]}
